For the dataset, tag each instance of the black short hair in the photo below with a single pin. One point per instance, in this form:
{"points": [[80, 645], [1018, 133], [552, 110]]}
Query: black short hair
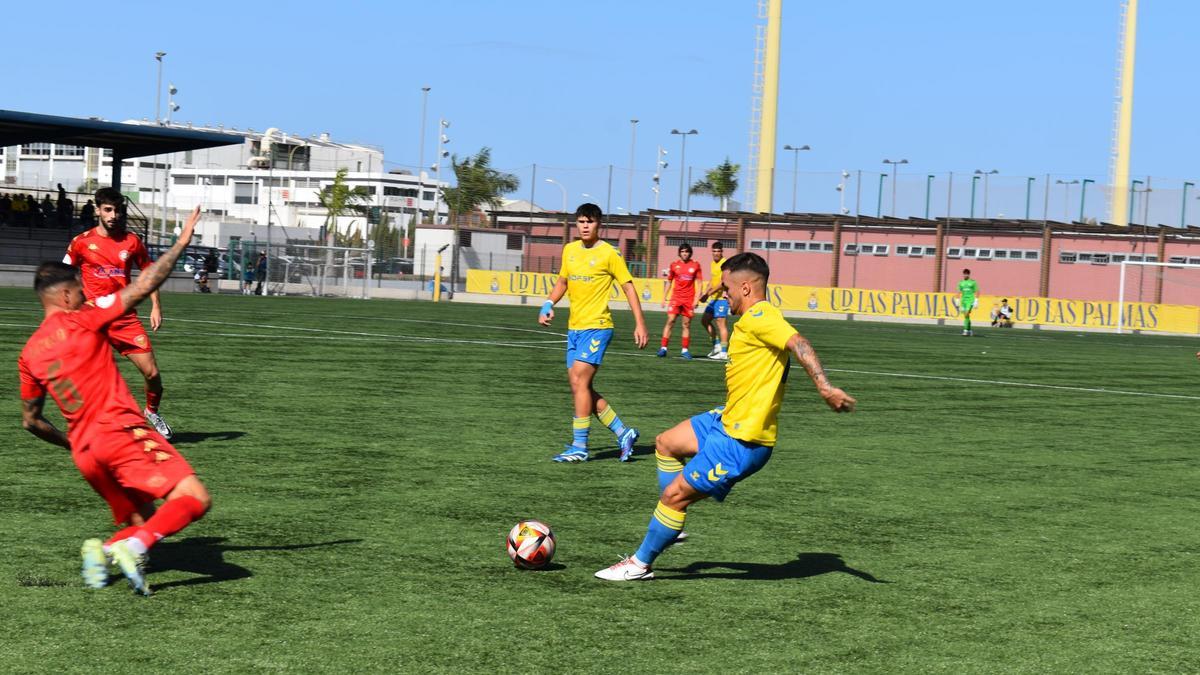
{"points": [[52, 273], [718, 244], [751, 262], [966, 271], [685, 247], [108, 195], [590, 211]]}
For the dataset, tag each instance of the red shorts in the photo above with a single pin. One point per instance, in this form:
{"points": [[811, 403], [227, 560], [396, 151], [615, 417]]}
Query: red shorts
{"points": [[128, 335], [130, 466], [683, 308]]}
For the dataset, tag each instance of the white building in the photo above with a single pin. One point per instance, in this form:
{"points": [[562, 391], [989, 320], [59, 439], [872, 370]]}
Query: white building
{"points": [[272, 178]]}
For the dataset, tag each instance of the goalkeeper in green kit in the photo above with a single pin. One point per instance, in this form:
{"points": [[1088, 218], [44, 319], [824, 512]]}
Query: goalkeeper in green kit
{"points": [[968, 290]]}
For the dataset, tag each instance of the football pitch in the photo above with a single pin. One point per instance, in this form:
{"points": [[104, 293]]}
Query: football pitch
{"points": [[1019, 501]]}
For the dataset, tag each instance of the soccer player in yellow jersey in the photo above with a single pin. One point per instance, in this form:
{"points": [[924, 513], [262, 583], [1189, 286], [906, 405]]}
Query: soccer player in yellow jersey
{"points": [[717, 308], [727, 445], [590, 268]]}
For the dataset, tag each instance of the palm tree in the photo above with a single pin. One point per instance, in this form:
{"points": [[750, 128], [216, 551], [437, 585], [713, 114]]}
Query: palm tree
{"points": [[477, 184], [720, 182], [340, 199]]}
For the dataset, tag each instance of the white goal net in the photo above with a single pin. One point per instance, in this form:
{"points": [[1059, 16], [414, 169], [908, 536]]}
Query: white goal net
{"points": [[1175, 282]]}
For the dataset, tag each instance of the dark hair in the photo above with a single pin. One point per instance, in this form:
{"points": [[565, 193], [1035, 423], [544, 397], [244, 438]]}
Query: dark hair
{"points": [[685, 247], [590, 211], [751, 262], [718, 244], [52, 273], [108, 195], [966, 271]]}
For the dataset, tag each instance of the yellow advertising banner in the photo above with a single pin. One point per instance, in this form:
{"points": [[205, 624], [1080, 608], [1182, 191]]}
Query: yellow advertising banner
{"points": [[901, 304]]}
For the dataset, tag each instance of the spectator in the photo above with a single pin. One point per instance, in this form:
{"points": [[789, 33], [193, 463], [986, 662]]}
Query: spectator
{"points": [[260, 272], [64, 208], [47, 212], [5, 209], [1002, 316], [247, 280], [87, 215]]}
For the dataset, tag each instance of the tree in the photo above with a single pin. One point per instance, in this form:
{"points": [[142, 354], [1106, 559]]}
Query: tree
{"points": [[477, 184], [720, 181], [340, 199]]}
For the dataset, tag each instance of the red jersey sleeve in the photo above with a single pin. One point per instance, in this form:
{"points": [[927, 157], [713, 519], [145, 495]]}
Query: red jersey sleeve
{"points": [[106, 309], [671, 272], [30, 387], [141, 256], [71, 258]]}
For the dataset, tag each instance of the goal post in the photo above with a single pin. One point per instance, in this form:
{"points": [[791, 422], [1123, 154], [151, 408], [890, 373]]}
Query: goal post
{"points": [[1175, 282]]}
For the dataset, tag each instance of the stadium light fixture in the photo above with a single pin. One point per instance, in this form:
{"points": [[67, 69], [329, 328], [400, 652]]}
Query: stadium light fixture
{"points": [[985, 174], [1066, 196], [564, 193], [1183, 209]]}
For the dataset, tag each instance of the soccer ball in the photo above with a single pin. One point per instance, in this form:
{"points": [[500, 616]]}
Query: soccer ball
{"points": [[531, 544]]}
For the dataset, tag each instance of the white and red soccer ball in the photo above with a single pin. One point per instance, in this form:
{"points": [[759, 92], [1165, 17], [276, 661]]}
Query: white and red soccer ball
{"points": [[531, 544]]}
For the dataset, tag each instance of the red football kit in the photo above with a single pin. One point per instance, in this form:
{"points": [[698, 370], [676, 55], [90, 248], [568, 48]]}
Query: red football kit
{"points": [[124, 460], [105, 264], [686, 276]]}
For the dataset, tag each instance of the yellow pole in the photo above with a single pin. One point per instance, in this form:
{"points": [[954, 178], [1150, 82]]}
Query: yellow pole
{"points": [[437, 278], [1119, 214], [765, 177]]}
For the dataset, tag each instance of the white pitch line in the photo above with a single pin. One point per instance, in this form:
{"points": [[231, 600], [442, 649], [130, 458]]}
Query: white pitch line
{"points": [[1005, 383]]}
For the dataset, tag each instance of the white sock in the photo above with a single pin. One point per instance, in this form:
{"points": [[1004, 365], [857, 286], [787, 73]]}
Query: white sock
{"points": [[135, 545], [639, 563]]}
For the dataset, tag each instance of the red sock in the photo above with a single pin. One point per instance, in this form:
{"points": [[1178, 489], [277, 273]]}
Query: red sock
{"points": [[170, 518], [153, 398], [686, 341], [665, 341], [123, 533]]}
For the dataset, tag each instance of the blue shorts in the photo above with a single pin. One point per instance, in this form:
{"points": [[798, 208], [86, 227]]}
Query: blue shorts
{"points": [[587, 345], [722, 460], [718, 308]]}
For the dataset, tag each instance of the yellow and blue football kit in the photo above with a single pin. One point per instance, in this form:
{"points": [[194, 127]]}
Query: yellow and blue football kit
{"points": [[717, 305]]}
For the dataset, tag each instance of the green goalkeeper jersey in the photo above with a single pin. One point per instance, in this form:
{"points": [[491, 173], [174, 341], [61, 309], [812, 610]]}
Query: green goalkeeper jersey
{"points": [[968, 288]]}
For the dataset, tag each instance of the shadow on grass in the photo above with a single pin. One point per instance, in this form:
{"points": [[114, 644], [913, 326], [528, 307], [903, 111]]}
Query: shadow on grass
{"points": [[205, 556], [185, 437], [615, 452], [805, 565]]}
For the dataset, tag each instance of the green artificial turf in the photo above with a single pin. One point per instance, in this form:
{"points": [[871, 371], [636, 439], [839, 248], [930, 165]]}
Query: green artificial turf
{"points": [[367, 458]]}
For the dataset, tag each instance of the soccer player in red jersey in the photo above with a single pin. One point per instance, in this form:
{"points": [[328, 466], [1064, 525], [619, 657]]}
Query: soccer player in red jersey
{"points": [[126, 461], [683, 279], [105, 256]]}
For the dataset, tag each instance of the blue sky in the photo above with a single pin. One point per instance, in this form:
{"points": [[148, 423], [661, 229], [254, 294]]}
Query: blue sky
{"points": [[1022, 86]]}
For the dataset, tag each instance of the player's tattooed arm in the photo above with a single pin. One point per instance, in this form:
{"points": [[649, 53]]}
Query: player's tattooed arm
{"points": [[152, 277], [803, 350], [36, 423]]}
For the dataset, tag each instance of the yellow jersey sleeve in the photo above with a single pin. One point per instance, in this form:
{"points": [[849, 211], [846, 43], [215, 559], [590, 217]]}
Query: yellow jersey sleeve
{"points": [[618, 269], [714, 275]]}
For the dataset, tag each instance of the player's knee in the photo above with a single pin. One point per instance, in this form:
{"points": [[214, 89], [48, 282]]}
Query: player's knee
{"points": [[662, 445]]}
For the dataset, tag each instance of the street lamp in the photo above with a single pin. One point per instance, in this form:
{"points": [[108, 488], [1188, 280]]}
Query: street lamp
{"points": [[928, 187], [632, 146], [1066, 196], [985, 175], [1183, 209], [1132, 193], [974, 182], [682, 159], [443, 124], [1083, 196], [660, 166], [421, 145], [158, 56], [1028, 193], [795, 165], [564, 193], [172, 106], [879, 197], [895, 171]]}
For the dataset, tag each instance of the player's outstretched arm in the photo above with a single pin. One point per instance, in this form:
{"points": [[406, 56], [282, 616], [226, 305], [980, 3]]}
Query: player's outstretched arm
{"points": [[36, 423], [152, 277], [837, 399], [640, 337], [546, 315]]}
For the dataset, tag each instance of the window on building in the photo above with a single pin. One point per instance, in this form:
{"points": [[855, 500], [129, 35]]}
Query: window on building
{"points": [[35, 149], [1067, 257], [514, 242], [770, 245], [464, 238], [1099, 258], [954, 252], [881, 249], [969, 252], [1001, 254], [216, 180], [902, 250], [785, 246], [983, 254], [184, 180], [187, 157], [757, 244], [850, 249], [827, 247], [427, 195], [1033, 255], [245, 193], [68, 151]]}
